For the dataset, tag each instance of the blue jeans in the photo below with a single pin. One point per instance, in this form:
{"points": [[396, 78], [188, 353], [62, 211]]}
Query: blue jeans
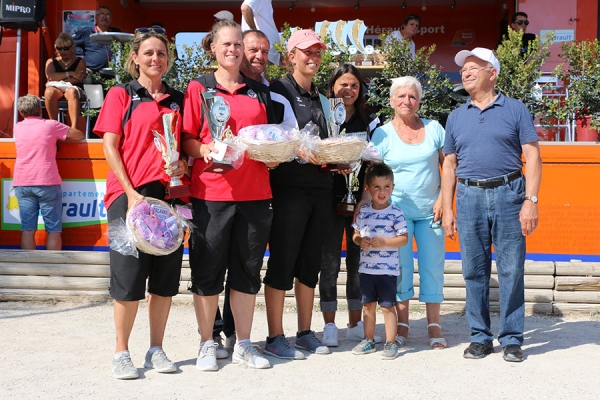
{"points": [[33, 199], [489, 217]]}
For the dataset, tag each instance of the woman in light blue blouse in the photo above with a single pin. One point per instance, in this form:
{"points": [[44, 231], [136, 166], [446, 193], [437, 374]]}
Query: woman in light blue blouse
{"points": [[412, 147]]}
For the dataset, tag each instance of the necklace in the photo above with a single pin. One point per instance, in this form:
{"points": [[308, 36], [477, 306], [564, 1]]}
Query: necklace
{"points": [[65, 63], [155, 93], [404, 136]]}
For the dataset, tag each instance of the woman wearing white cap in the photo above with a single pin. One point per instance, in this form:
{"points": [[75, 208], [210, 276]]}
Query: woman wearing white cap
{"points": [[301, 201]]}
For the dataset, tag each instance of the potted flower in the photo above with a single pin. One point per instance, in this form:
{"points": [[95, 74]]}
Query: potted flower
{"points": [[582, 78]]}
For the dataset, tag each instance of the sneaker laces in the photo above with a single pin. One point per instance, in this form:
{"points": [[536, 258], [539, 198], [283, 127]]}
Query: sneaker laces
{"points": [[312, 339], [125, 361], [209, 350], [161, 354]]}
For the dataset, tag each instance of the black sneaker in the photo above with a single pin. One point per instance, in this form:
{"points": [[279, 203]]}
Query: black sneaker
{"points": [[513, 353], [477, 350]]}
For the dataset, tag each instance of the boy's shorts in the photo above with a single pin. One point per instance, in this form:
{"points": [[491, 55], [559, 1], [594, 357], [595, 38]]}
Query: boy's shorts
{"points": [[32, 199], [378, 288]]}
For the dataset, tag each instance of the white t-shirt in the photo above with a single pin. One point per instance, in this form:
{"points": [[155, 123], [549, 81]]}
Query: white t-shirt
{"points": [[386, 223], [263, 19], [398, 35]]}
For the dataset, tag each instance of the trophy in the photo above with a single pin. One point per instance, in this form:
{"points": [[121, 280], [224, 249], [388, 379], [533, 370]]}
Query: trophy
{"points": [[346, 206], [218, 112], [167, 145], [337, 116]]}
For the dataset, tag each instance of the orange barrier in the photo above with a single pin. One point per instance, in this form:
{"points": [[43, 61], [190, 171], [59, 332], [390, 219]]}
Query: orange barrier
{"points": [[569, 204]]}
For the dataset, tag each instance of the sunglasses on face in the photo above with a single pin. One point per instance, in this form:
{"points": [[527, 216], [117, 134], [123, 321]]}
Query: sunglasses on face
{"points": [[160, 31], [522, 21], [63, 48]]}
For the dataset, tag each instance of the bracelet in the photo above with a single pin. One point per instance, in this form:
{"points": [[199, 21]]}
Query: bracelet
{"points": [[186, 166], [67, 72]]}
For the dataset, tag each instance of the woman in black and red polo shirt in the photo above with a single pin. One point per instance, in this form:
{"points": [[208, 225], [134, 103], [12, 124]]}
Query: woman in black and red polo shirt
{"points": [[232, 209], [125, 124]]}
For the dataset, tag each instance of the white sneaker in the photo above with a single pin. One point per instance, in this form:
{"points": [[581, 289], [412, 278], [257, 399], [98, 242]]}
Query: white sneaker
{"points": [[207, 357], [330, 335], [250, 356], [230, 342], [221, 351], [357, 333]]}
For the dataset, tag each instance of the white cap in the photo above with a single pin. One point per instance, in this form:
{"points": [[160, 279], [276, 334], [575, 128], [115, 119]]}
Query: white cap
{"points": [[480, 52], [224, 14]]}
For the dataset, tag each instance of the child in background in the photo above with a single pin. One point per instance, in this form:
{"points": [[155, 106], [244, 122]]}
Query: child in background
{"points": [[379, 230]]}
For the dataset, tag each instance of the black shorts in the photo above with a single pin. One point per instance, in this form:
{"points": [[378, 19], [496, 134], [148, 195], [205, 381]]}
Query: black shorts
{"points": [[299, 221], [378, 288], [128, 274], [229, 236]]}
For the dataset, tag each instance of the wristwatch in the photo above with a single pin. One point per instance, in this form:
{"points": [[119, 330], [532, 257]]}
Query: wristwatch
{"points": [[533, 199]]}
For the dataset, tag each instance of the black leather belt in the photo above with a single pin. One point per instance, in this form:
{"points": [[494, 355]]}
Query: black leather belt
{"points": [[492, 182]]}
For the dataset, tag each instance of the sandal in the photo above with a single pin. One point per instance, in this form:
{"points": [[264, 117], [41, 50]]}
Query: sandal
{"points": [[401, 340], [437, 343]]}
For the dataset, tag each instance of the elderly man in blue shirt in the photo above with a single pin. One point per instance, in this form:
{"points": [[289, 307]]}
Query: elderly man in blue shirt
{"points": [[495, 203]]}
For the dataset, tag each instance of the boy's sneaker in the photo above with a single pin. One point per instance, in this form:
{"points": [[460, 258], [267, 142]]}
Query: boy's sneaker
{"points": [[250, 356], [330, 335], [281, 348], [364, 347], [230, 342], [221, 352], [310, 343], [123, 367], [390, 351], [159, 361], [207, 357], [357, 334]]}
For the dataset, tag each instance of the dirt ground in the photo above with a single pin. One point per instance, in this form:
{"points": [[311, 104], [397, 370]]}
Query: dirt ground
{"points": [[64, 351]]}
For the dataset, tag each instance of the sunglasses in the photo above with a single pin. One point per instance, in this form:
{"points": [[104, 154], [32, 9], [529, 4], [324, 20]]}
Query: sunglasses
{"points": [[143, 31], [63, 48], [522, 21]]}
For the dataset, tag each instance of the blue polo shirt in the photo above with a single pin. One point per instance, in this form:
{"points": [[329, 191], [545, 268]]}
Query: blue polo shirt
{"points": [[96, 55], [487, 142]]}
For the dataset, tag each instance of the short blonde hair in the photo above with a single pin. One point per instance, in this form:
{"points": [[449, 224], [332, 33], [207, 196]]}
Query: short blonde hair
{"points": [[406, 82]]}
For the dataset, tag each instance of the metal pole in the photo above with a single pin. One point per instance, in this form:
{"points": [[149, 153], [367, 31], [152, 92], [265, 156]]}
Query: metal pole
{"points": [[17, 77]]}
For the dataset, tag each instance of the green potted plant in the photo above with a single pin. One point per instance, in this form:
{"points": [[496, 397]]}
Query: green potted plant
{"points": [[581, 75]]}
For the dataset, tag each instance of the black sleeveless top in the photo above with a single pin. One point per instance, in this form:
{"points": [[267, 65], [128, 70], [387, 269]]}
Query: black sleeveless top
{"points": [[58, 67]]}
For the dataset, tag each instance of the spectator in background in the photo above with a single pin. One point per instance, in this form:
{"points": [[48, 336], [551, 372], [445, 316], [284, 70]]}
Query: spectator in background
{"points": [[410, 27], [96, 55], [36, 179], [65, 74], [258, 15], [519, 23]]}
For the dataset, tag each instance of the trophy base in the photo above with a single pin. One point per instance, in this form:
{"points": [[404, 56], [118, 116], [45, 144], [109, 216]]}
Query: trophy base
{"points": [[345, 208], [176, 192], [217, 168], [335, 167]]}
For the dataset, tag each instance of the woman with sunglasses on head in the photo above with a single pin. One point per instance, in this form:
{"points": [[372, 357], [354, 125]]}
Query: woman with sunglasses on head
{"points": [[232, 209], [129, 114], [301, 203], [65, 74], [412, 147], [345, 83]]}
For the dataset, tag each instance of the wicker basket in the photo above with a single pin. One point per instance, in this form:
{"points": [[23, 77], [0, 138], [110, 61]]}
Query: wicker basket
{"points": [[271, 151], [339, 150], [157, 245]]}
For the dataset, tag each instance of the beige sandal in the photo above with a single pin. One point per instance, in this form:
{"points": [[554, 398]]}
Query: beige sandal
{"points": [[401, 340], [437, 343]]}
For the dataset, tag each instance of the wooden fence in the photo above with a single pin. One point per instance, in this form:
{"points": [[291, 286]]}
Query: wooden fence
{"points": [[550, 288]]}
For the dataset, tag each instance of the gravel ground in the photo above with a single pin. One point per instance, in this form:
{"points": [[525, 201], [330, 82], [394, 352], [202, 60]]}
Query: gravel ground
{"points": [[64, 351]]}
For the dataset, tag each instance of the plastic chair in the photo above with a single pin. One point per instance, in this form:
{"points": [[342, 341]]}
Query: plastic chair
{"points": [[95, 96]]}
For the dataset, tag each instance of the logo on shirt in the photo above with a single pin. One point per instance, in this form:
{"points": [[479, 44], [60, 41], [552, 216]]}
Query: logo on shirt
{"points": [[252, 93], [174, 106], [299, 101], [211, 90], [135, 97]]}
